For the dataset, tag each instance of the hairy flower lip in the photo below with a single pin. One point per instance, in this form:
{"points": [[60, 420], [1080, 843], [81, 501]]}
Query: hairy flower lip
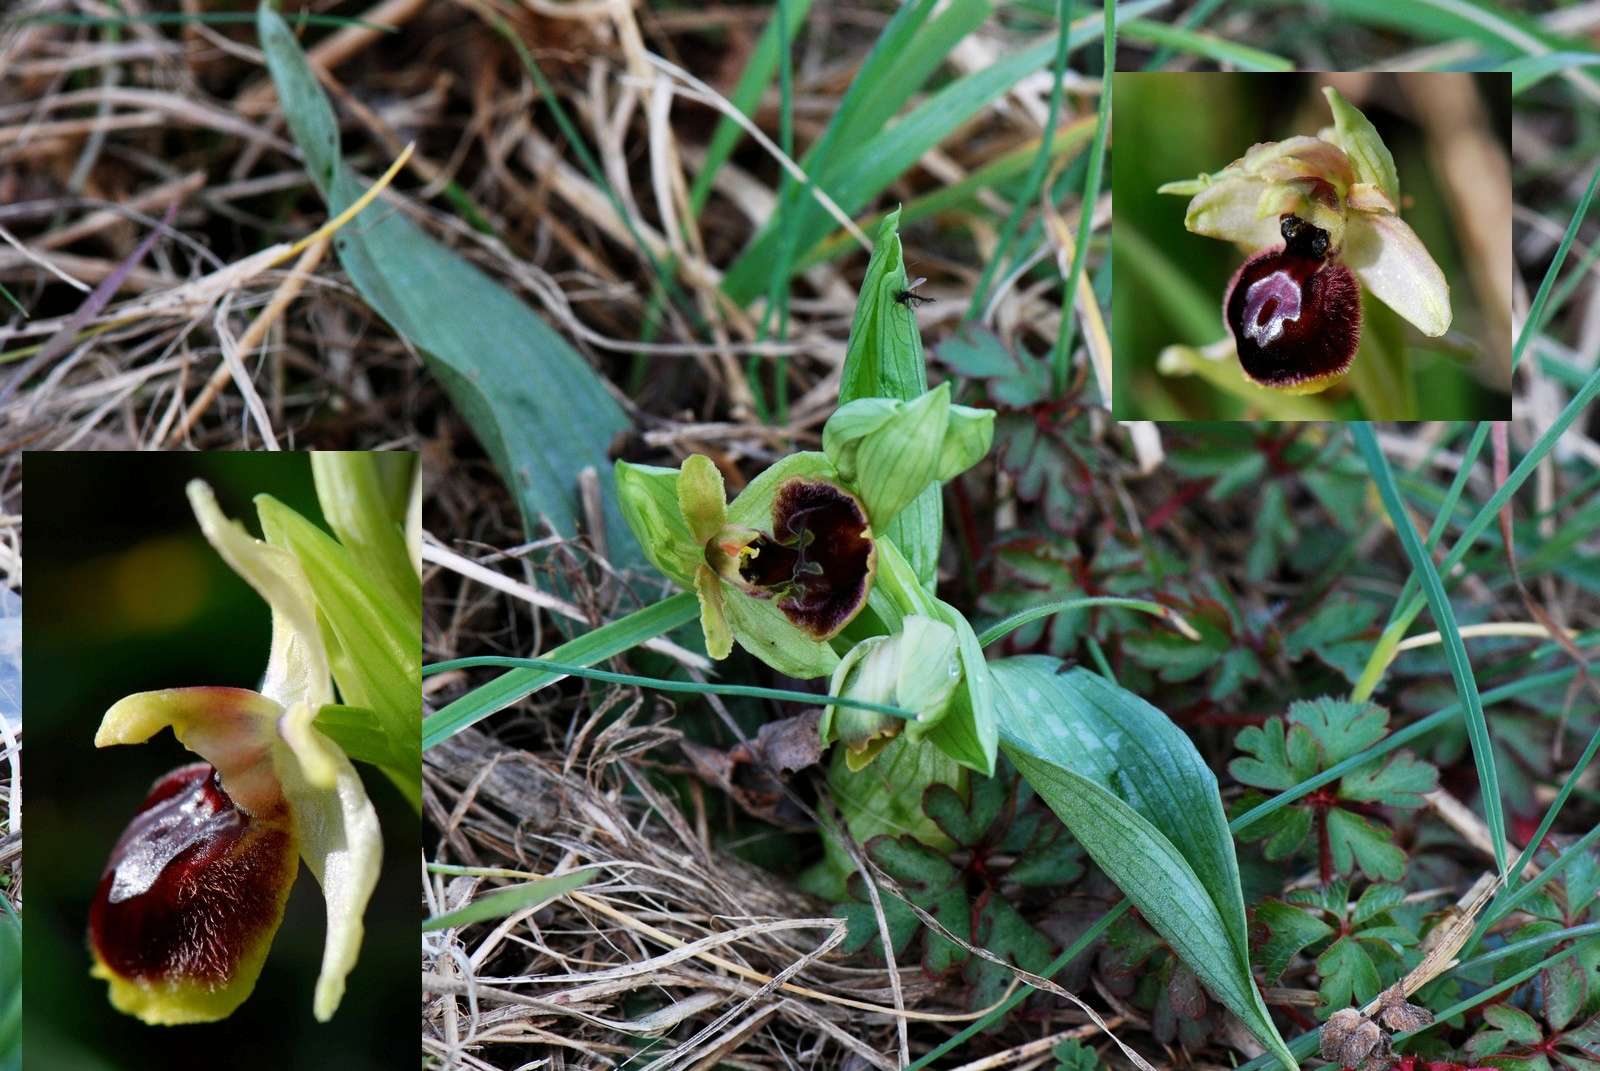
{"points": [[155, 926], [817, 563], [1294, 312]]}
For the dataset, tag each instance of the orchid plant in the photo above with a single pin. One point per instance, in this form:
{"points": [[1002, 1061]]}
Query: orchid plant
{"points": [[195, 887], [825, 565]]}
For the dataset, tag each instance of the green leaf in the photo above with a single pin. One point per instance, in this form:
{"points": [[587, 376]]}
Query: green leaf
{"points": [[356, 491], [1355, 841], [360, 735], [1274, 766], [504, 902], [1074, 1055], [1348, 975], [1515, 1023], [539, 410], [1401, 782], [1283, 931], [1565, 987], [1142, 802], [374, 638], [1340, 728]]}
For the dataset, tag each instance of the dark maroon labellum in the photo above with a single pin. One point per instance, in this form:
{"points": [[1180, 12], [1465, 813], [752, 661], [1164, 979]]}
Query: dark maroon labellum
{"points": [[819, 558], [192, 883], [1295, 313]]}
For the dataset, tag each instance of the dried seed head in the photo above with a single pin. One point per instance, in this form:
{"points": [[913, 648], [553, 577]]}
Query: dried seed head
{"points": [[1353, 1040], [1399, 1015]]}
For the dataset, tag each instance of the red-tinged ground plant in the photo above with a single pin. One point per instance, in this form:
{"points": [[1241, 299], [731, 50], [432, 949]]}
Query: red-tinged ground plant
{"points": [[1340, 825], [195, 887]]}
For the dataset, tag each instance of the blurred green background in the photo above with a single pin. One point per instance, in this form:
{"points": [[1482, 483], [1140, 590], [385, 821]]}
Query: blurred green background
{"points": [[1170, 283], [124, 595]]}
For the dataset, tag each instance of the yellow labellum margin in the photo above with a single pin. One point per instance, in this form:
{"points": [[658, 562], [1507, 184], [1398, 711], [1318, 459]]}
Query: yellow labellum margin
{"points": [[277, 768]]}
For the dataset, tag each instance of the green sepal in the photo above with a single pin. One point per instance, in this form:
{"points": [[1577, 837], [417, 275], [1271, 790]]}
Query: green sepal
{"points": [[752, 508], [648, 497], [761, 629], [1354, 133]]}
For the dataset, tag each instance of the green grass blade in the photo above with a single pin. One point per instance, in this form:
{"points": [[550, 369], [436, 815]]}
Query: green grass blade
{"points": [[1444, 20], [503, 902], [1535, 321], [1035, 176], [1525, 468], [1061, 354], [745, 96], [1001, 629], [661, 684], [1067, 141], [1529, 71], [604, 642], [864, 166], [1455, 650], [1207, 46]]}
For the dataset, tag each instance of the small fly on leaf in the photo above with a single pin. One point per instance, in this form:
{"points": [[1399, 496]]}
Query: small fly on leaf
{"points": [[910, 299]]}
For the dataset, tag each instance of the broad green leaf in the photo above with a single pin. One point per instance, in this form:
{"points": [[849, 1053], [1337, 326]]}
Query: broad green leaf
{"points": [[540, 411], [1140, 799]]}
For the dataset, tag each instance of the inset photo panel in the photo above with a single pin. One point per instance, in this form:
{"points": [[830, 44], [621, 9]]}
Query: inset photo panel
{"points": [[221, 666], [1312, 246]]}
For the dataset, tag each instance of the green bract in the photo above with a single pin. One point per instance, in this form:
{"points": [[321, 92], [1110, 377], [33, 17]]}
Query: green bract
{"points": [[892, 450]]}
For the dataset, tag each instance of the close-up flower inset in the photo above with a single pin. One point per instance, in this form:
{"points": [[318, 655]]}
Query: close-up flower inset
{"points": [[1366, 268]]}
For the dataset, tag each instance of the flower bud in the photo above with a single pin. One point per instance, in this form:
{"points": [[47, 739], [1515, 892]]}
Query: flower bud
{"points": [[918, 669]]}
